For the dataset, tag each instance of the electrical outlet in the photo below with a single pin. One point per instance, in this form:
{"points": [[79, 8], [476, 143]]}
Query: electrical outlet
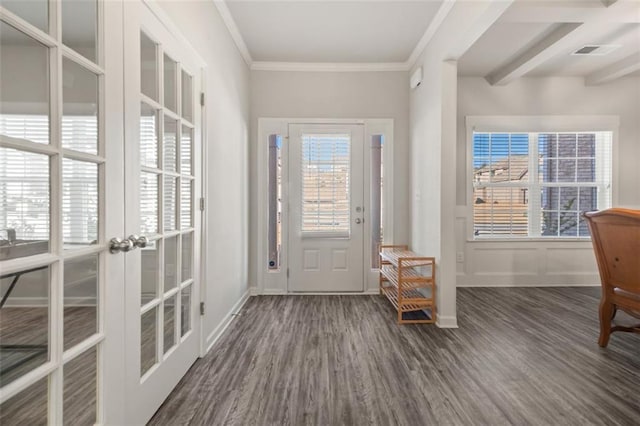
{"points": [[460, 257]]}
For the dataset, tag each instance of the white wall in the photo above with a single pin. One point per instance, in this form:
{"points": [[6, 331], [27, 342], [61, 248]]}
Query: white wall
{"points": [[334, 95], [544, 263], [227, 127]]}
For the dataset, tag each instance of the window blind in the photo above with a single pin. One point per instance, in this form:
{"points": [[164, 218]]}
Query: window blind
{"points": [[539, 184], [325, 183]]}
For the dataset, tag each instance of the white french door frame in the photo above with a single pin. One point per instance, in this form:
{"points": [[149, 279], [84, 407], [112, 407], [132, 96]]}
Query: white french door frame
{"points": [[275, 281]]}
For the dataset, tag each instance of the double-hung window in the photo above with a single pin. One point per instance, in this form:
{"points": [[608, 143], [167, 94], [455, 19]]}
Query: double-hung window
{"points": [[537, 184]]}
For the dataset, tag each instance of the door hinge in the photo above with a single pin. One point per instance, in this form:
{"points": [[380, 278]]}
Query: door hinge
{"points": [[201, 204], [202, 99], [287, 272], [201, 308]]}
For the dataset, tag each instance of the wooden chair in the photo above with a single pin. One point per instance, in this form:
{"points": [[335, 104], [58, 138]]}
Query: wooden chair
{"points": [[615, 234]]}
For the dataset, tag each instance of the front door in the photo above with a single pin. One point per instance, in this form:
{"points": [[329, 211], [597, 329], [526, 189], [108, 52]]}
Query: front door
{"points": [[162, 144], [326, 205]]}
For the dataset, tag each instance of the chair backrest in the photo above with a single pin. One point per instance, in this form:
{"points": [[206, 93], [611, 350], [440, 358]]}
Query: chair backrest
{"points": [[615, 234]]}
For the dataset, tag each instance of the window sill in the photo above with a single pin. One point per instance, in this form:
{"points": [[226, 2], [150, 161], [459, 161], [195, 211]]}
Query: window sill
{"points": [[530, 240]]}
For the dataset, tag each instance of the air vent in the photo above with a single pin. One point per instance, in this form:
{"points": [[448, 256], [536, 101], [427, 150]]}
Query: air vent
{"points": [[596, 49]]}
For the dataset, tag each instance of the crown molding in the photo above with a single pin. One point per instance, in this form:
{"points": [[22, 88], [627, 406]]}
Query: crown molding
{"points": [[228, 20], [330, 66]]}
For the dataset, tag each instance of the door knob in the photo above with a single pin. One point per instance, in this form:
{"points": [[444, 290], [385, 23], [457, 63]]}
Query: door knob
{"points": [[139, 241], [358, 221], [117, 245]]}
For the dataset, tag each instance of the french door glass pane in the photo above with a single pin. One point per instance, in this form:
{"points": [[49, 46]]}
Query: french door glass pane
{"points": [[80, 108], [24, 204], [80, 299], [150, 265], [80, 387], [187, 97], [186, 147], [170, 201], [24, 103], [170, 263], [169, 147], [35, 12], [187, 256], [148, 203], [186, 186], [185, 305], [79, 26], [169, 323], [148, 67], [25, 325], [170, 74], [79, 203], [148, 340], [148, 136], [28, 407]]}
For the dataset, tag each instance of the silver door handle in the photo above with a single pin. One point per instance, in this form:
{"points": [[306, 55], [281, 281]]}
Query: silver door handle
{"points": [[358, 221], [116, 245], [139, 241]]}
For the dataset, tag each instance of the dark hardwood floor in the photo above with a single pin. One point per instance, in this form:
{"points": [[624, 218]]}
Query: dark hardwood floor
{"points": [[521, 356]]}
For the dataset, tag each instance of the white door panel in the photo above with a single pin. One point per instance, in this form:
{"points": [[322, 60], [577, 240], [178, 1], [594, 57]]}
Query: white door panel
{"points": [[326, 200]]}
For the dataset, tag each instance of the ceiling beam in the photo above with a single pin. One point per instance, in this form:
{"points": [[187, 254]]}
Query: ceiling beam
{"points": [[432, 29], [542, 51], [614, 71]]}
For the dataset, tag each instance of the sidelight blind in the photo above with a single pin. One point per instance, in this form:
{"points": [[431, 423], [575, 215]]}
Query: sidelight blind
{"points": [[325, 184]]}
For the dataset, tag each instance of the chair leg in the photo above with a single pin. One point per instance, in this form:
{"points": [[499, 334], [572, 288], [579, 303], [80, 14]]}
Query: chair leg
{"points": [[606, 314]]}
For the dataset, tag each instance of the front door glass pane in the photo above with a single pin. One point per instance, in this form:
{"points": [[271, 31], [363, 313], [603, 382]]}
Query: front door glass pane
{"points": [[80, 108], [80, 299], [186, 203], [79, 203], [28, 407], [186, 147], [80, 387], [170, 202], [148, 67], [24, 204], [187, 256], [24, 96], [79, 26], [24, 326]]}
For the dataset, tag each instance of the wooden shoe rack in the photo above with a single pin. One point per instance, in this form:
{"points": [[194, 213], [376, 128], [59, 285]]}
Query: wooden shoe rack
{"points": [[408, 281]]}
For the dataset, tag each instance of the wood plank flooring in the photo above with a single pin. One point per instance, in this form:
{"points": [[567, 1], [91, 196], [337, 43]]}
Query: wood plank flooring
{"points": [[526, 356]]}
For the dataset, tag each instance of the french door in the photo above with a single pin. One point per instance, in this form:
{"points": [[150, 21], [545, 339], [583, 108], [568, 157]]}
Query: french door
{"points": [[60, 200], [326, 208], [162, 142]]}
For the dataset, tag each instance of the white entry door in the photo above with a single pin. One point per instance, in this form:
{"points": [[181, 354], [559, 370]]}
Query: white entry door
{"points": [[162, 144], [326, 204]]}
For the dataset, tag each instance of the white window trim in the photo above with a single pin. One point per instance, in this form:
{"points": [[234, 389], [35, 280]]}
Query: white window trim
{"points": [[539, 124]]}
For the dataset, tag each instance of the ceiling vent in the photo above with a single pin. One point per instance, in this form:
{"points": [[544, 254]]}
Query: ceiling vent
{"points": [[596, 49]]}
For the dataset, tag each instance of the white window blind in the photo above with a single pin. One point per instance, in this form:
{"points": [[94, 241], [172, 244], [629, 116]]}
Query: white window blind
{"points": [[34, 128], [539, 184], [325, 183]]}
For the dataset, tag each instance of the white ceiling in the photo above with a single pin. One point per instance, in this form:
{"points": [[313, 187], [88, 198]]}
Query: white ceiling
{"points": [[332, 31], [522, 33]]}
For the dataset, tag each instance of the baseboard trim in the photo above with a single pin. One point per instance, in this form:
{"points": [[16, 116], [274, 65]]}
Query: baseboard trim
{"points": [[221, 328], [525, 285], [447, 322]]}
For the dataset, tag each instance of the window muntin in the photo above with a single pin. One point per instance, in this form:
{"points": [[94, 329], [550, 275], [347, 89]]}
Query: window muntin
{"points": [[569, 173], [326, 184]]}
